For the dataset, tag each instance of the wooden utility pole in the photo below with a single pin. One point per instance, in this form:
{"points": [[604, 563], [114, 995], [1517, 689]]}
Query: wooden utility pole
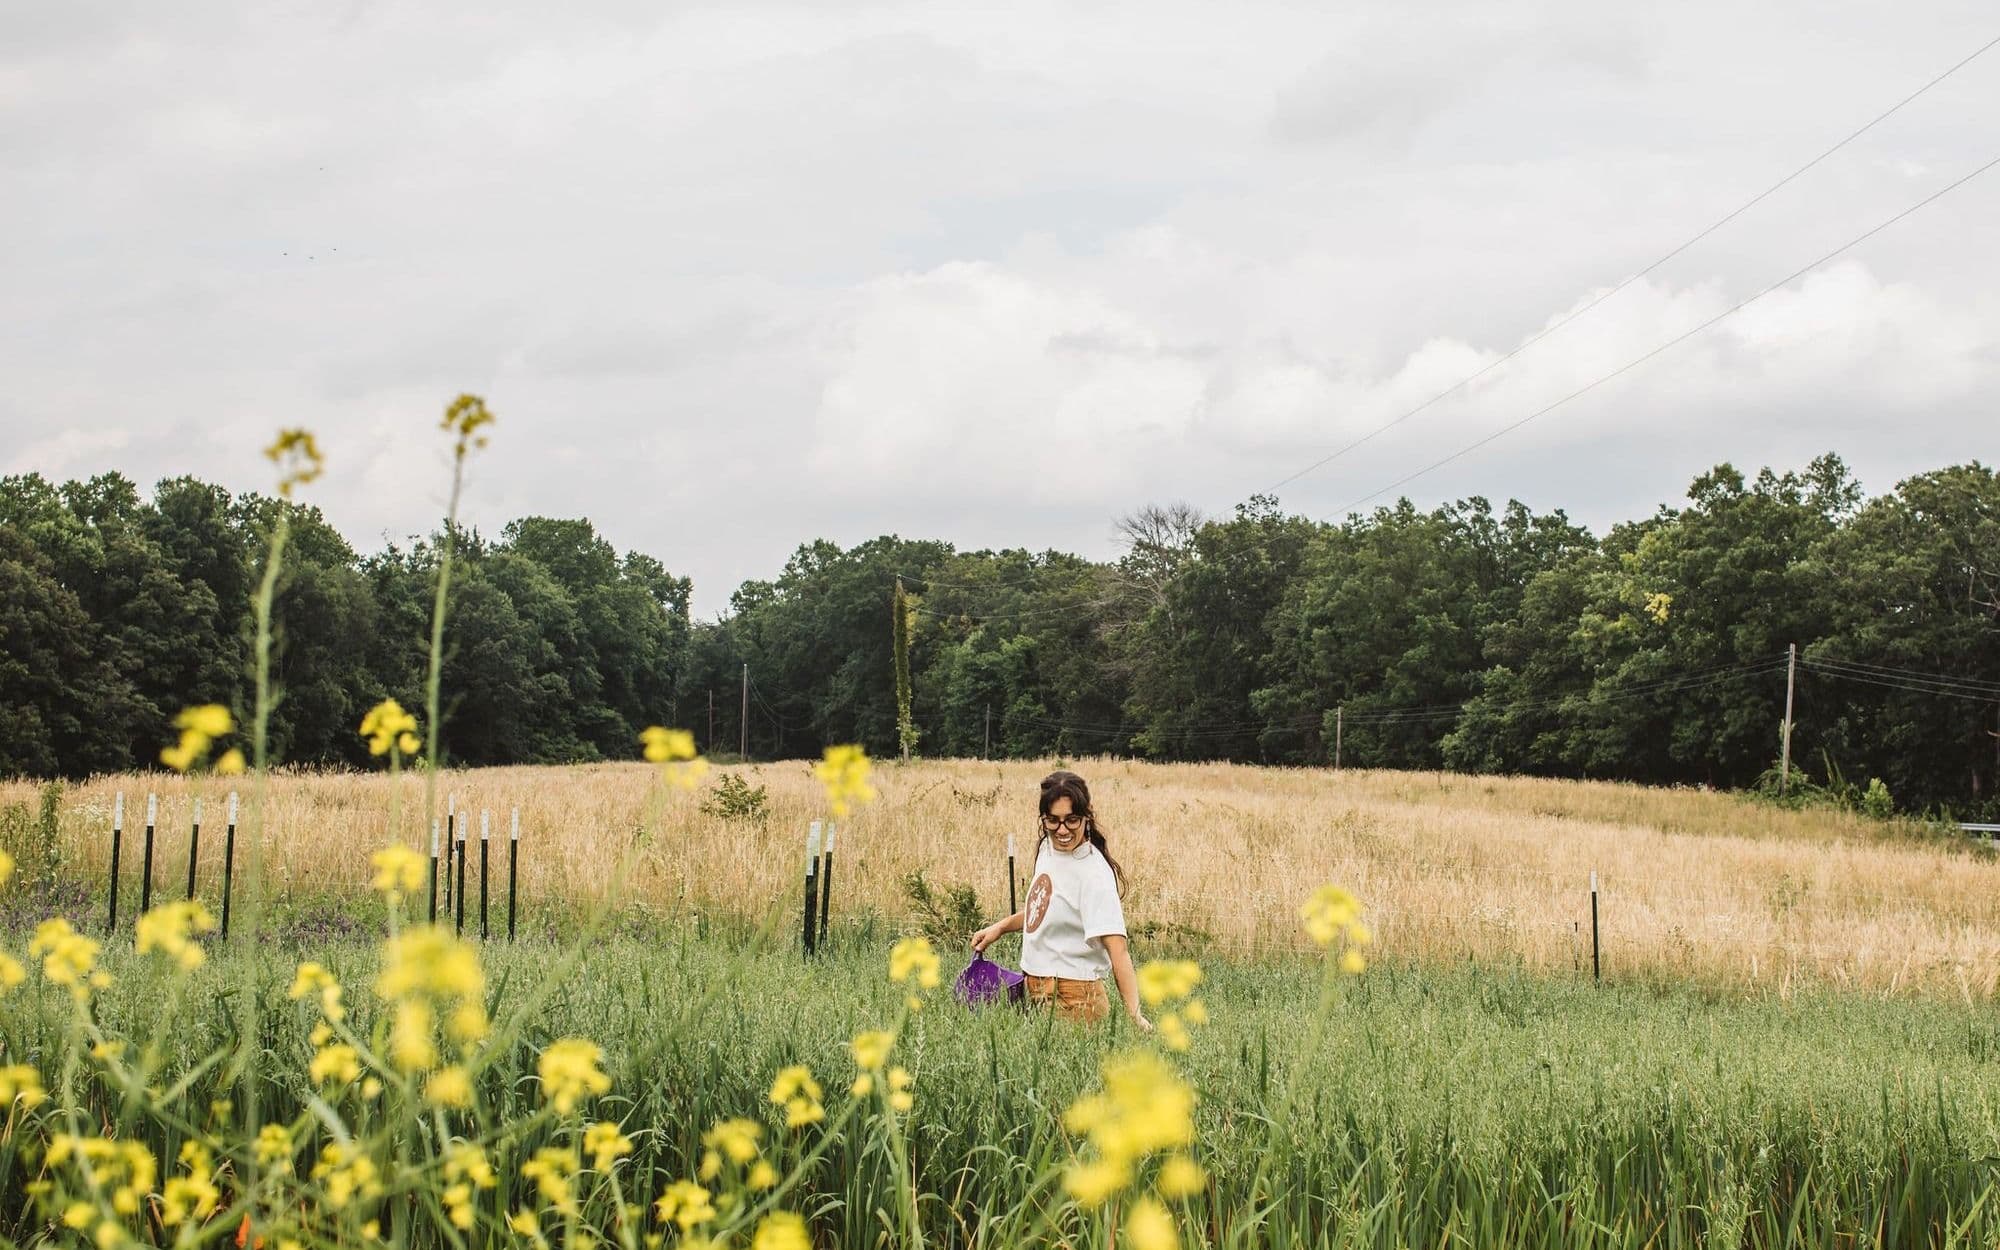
{"points": [[743, 747], [989, 733], [1785, 759], [711, 721], [1339, 723]]}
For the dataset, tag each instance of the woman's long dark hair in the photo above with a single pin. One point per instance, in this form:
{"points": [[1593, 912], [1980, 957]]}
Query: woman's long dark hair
{"points": [[1063, 784]]}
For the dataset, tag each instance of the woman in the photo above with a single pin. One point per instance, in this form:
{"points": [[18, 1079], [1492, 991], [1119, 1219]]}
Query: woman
{"points": [[1073, 926]]}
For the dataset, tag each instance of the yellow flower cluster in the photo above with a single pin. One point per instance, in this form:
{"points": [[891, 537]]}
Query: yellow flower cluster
{"points": [[1331, 915], [11, 972], [398, 871], [22, 1083], [170, 929], [388, 727], [569, 1073], [346, 1173], [798, 1093], [68, 958], [1145, 1109], [912, 961], [428, 975], [313, 978], [193, 1196], [200, 727], [1163, 982], [843, 770], [463, 419], [125, 1168], [673, 749], [466, 1168], [605, 1144], [296, 453], [6, 867], [554, 1169], [731, 1147]]}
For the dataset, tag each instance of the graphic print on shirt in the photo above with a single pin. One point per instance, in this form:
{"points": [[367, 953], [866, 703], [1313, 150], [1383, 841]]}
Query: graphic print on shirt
{"points": [[1038, 901]]}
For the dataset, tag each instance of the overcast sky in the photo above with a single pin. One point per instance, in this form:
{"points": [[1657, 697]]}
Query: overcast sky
{"points": [[738, 276]]}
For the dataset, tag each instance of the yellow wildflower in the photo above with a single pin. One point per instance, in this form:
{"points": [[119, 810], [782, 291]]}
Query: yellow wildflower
{"points": [[22, 1083], [871, 1049], [686, 1204], [1353, 963], [1328, 912], [427, 959], [169, 929], [345, 1174], [1167, 980], [795, 1090], [78, 1215], [554, 1172], [1093, 1184], [398, 871], [387, 726], [411, 1044], [913, 958], [274, 1148], [1195, 1013], [466, 1161], [6, 867], [1180, 1177], [569, 1073], [231, 764], [782, 1230], [193, 1196], [449, 1087], [761, 1176], [736, 1138], [463, 419], [313, 978], [200, 727], [674, 749], [1148, 1226], [1145, 1108], [605, 1144], [525, 1223], [68, 958], [843, 770], [296, 453], [900, 1098], [11, 972], [338, 1063], [1172, 1032]]}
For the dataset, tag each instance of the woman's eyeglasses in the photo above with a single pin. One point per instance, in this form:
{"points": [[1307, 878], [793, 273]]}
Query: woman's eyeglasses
{"points": [[1053, 823]]}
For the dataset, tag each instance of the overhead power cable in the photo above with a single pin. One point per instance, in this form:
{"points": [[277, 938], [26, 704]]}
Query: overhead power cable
{"points": [[1673, 342], [1711, 228]]}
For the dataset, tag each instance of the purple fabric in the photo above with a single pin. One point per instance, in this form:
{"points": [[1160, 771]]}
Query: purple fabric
{"points": [[984, 981]]}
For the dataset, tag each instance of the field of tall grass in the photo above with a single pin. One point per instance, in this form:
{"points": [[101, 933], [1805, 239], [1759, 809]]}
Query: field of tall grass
{"points": [[1716, 887]]}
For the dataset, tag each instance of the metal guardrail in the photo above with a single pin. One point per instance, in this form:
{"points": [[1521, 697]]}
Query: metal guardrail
{"points": [[1980, 831]]}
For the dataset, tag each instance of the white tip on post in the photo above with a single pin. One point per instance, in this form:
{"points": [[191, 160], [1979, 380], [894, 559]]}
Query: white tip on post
{"points": [[830, 827], [484, 832], [1593, 881], [197, 809], [1010, 844], [152, 809], [515, 831], [434, 838], [232, 807], [812, 846], [118, 810], [451, 804]]}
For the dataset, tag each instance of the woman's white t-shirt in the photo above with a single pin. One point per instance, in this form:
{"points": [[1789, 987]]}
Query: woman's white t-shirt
{"points": [[1073, 902]]}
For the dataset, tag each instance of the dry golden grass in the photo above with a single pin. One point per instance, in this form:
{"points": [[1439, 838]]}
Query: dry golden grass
{"points": [[1693, 884]]}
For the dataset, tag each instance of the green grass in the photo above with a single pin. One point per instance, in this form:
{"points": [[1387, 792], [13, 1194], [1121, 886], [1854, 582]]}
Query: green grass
{"points": [[1448, 1106]]}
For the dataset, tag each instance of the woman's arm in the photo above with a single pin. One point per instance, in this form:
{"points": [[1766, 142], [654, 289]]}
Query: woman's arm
{"points": [[995, 931], [1128, 983]]}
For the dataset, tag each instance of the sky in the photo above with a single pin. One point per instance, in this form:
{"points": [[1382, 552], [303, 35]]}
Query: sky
{"points": [[735, 277]]}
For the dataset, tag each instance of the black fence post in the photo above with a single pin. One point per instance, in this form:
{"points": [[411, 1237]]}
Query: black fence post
{"points": [[228, 862], [460, 904], [812, 894], [146, 881], [483, 839], [117, 836], [194, 845], [1596, 966], [513, 869], [450, 842], [826, 883], [1012, 904]]}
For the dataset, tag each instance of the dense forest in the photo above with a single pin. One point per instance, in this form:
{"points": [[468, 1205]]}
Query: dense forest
{"points": [[1459, 638]]}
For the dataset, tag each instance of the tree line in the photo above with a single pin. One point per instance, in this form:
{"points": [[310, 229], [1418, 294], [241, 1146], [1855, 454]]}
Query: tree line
{"points": [[1459, 638]]}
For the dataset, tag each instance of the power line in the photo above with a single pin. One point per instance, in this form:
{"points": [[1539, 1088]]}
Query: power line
{"points": [[1977, 696], [1675, 341], [1711, 228], [1944, 679]]}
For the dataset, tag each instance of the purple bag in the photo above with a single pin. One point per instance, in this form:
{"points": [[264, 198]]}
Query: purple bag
{"points": [[984, 981]]}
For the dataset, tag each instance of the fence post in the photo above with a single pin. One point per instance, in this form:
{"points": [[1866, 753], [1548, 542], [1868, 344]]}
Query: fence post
{"points": [[228, 862], [1596, 967], [146, 882], [812, 865], [450, 835], [826, 883], [1013, 905], [484, 834], [117, 836], [194, 845], [513, 869], [434, 870], [460, 887]]}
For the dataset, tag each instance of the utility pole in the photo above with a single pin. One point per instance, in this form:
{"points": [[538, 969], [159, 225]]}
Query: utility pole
{"points": [[744, 746], [711, 720], [1339, 723], [989, 733], [1791, 673]]}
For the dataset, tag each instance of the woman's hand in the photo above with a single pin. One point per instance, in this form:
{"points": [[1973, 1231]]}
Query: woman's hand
{"points": [[1141, 1023], [985, 938]]}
